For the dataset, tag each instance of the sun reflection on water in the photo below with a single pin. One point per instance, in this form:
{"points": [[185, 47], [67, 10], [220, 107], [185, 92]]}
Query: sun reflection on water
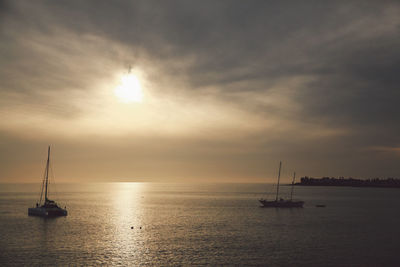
{"points": [[127, 219]]}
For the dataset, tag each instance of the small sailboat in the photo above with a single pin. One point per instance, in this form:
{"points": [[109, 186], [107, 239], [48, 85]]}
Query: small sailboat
{"points": [[280, 202], [48, 208]]}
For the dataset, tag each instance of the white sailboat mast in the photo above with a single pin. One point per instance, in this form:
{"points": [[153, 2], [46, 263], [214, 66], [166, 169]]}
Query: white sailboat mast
{"points": [[279, 177], [47, 173], [291, 193]]}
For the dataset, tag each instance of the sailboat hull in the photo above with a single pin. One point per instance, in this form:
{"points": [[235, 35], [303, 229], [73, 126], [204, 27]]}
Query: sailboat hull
{"points": [[281, 203], [47, 212]]}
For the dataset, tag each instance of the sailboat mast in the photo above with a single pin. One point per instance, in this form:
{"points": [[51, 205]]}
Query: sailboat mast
{"points": [[291, 193], [47, 173], [279, 177]]}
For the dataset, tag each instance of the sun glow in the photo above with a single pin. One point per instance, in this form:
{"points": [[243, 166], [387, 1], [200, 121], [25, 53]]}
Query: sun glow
{"points": [[129, 90]]}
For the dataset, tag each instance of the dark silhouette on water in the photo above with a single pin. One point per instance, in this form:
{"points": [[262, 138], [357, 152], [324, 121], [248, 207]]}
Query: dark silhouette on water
{"points": [[49, 207], [282, 203], [331, 181]]}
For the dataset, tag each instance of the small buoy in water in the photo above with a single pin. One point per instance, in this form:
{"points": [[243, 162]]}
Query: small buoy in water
{"points": [[131, 227]]}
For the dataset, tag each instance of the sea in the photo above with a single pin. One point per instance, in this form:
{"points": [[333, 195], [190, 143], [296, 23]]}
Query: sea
{"points": [[157, 224]]}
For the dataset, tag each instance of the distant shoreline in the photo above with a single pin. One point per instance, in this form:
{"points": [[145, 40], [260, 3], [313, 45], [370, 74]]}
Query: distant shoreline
{"points": [[352, 182]]}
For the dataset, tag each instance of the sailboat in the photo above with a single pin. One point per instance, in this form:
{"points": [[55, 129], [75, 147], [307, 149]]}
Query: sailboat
{"points": [[280, 202], [48, 208]]}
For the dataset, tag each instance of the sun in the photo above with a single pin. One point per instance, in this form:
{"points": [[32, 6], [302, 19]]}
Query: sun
{"points": [[129, 90]]}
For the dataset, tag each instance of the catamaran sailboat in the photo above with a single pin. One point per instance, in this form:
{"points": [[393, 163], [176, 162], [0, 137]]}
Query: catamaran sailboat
{"points": [[280, 202], [49, 208]]}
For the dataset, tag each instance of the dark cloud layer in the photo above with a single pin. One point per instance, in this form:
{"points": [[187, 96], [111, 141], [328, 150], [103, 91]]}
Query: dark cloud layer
{"points": [[335, 64]]}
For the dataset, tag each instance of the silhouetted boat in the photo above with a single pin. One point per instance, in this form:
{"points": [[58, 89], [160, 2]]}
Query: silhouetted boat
{"points": [[49, 208], [280, 202]]}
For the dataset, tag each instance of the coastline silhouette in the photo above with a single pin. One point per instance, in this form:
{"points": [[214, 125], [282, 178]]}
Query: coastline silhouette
{"points": [[341, 181]]}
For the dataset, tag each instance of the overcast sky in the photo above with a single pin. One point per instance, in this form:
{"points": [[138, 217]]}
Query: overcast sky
{"points": [[230, 88]]}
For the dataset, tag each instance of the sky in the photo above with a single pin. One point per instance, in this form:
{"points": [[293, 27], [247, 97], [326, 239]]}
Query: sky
{"points": [[228, 89]]}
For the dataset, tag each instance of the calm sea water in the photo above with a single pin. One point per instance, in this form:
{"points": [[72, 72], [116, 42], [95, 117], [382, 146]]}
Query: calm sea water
{"points": [[201, 224]]}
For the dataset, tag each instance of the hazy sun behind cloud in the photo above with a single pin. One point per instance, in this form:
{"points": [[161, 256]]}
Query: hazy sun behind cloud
{"points": [[129, 90]]}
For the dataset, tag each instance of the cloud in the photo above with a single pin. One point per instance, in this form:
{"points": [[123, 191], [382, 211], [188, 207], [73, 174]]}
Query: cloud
{"points": [[289, 78]]}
